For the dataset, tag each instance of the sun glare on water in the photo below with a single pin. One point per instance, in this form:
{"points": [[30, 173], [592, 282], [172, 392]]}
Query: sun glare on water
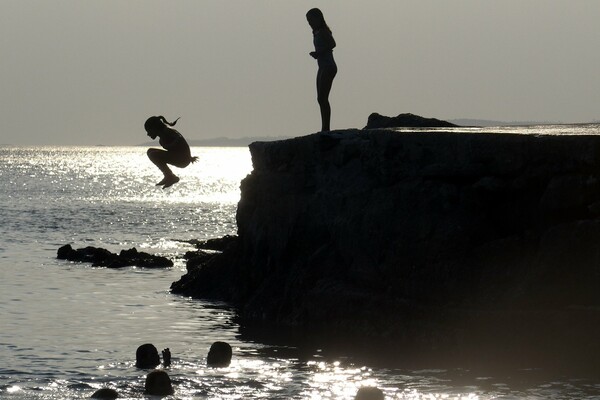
{"points": [[126, 174]]}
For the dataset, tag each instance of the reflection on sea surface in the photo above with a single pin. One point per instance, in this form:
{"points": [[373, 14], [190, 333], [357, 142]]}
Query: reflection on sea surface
{"points": [[548, 129], [67, 329]]}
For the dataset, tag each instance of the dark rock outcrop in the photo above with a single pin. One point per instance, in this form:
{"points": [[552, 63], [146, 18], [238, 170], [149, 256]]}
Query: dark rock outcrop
{"points": [[407, 120], [433, 237], [100, 257], [207, 250], [217, 244]]}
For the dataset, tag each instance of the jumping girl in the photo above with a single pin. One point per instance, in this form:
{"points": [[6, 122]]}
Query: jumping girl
{"points": [[177, 150]]}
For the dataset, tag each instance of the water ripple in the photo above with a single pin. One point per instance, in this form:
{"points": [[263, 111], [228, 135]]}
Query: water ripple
{"points": [[68, 329]]}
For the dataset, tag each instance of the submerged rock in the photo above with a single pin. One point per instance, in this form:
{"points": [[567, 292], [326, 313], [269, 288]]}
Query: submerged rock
{"points": [[100, 257]]}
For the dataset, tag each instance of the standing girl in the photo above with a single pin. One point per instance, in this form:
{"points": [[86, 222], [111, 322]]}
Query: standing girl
{"points": [[324, 45]]}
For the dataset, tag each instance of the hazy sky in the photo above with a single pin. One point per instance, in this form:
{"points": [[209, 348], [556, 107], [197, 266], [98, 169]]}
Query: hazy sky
{"points": [[90, 72]]}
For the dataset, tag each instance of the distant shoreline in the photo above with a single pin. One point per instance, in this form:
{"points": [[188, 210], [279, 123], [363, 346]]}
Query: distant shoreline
{"points": [[225, 141], [489, 123], [245, 141]]}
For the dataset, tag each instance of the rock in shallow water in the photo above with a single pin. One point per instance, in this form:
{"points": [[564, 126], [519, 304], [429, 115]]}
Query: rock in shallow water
{"points": [[100, 257]]}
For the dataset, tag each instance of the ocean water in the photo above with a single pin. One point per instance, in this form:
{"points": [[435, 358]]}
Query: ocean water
{"points": [[67, 329]]}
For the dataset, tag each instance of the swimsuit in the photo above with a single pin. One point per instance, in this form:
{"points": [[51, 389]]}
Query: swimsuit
{"points": [[177, 149], [324, 44]]}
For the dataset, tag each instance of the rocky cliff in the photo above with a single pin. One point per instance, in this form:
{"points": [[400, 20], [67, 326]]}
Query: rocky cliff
{"points": [[418, 236]]}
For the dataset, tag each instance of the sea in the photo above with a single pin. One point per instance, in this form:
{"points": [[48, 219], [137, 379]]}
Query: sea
{"points": [[68, 329]]}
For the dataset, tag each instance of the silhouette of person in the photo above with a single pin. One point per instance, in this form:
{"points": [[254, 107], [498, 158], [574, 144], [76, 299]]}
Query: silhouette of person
{"points": [[105, 394], [158, 383], [177, 150], [146, 356], [219, 355], [324, 45], [369, 393]]}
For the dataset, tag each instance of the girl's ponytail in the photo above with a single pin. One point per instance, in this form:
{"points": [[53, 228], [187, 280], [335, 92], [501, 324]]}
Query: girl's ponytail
{"points": [[167, 122]]}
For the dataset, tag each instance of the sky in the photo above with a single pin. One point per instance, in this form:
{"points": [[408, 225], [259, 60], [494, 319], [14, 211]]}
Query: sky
{"points": [[76, 72]]}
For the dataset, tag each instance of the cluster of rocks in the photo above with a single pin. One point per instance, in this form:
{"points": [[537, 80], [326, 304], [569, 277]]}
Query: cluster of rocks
{"points": [[206, 249], [100, 257]]}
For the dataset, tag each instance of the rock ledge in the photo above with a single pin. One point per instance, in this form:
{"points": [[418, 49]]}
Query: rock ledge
{"points": [[449, 237]]}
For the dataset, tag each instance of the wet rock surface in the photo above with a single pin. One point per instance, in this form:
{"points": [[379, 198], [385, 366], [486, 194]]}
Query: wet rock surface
{"points": [[100, 257]]}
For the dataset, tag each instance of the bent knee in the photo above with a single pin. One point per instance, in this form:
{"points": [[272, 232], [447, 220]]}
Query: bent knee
{"points": [[153, 153]]}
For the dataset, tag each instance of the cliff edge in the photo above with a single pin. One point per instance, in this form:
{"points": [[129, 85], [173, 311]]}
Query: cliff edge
{"points": [[428, 236]]}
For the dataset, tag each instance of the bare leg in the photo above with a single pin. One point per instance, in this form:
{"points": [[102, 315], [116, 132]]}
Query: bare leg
{"points": [[324, 81], [159, 158]]}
